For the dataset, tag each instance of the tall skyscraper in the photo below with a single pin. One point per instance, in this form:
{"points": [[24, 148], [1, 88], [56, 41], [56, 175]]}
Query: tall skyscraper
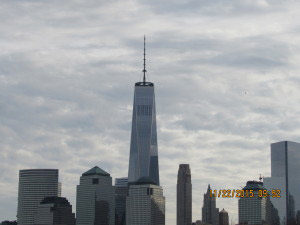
{"points": [[34, 186], [210, 214], [223, 217], [285, 176], [121, 191], [54, 211], [145, 204], [95, 203], [184, 195], [143, 161]]}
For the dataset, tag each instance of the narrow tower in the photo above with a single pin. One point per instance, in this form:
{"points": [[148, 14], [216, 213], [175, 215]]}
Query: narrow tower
{"points": [[143, 161], [184, 195], [210, 213]]}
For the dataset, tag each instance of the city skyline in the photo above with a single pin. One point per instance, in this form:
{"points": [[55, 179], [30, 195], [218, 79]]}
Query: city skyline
{"points": [[226, 83]]}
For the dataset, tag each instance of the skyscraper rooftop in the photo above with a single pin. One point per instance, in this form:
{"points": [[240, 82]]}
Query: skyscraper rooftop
{"points": [[96, 171]]}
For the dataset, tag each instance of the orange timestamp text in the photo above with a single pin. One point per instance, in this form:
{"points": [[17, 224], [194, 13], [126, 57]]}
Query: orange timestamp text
{"points": [[232, 193]]}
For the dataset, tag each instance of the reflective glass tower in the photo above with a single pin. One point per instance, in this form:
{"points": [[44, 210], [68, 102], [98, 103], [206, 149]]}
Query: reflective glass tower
{"points": [[143, 161], [285, 176]]}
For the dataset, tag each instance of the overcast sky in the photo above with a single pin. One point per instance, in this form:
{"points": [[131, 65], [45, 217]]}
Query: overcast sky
{"points": [[226, 76]]}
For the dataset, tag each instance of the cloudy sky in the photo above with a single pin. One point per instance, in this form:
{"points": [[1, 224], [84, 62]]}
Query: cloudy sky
{"points": [[226, 74]]}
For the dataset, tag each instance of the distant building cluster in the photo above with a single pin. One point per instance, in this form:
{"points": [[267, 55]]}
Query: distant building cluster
{"points": [[139, 199]]}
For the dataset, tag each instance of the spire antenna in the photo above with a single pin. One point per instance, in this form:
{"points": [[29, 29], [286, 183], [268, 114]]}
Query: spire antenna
{"points": [[144, 70]]}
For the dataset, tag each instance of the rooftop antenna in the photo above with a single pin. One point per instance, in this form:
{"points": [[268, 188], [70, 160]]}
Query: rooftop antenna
{"points": [[260, 177], [144, 70]]}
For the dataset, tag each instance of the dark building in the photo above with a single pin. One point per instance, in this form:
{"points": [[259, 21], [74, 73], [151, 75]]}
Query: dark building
{"points": [[6, 222], [121, 192], [55, 211], [210, 214], [223, 217], [184, 195]]}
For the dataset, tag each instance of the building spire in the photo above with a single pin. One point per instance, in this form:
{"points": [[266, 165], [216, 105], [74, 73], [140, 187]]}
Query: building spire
{"points": [[144, 70]]}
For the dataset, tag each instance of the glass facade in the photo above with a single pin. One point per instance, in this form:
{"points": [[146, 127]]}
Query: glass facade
{"points": [[143, 161], [285, 175]]}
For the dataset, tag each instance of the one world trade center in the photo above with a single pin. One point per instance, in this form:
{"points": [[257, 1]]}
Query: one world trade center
{"points": [[143, 161]]}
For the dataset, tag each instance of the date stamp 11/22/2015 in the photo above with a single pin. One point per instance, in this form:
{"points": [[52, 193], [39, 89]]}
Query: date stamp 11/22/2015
{"points": [[232, 193]]}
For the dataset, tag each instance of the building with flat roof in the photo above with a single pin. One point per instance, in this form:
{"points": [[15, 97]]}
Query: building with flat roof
{"points": [[34, 186], [145, 204], [121, 191], [285, 176]]}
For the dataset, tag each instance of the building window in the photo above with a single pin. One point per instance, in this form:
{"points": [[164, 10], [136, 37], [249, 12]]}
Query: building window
{"points": [[144, 110], [149, 191], [95, 181]]}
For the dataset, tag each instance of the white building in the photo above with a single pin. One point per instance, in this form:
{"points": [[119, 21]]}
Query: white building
{"points": [[145, 204], [95, 198], [34, 186]]}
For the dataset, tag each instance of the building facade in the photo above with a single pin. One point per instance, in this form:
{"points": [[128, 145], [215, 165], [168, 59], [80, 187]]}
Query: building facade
{"points": [[210, 213], [285, 176], [34, 186], [184, 195], [121, 191], [95, 202], [255, 208], [54, 211], [145, 204], [223, 217]]}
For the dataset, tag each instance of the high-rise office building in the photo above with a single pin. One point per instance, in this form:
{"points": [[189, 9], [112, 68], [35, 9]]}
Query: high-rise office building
{"points": [[184, 195], [54, 211], [255, 208], [210, 213], [145, 204], [252, 209], [95, 203], [121, 191], [143, 161], [223, 217], [34, 186], [285, 177]]}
